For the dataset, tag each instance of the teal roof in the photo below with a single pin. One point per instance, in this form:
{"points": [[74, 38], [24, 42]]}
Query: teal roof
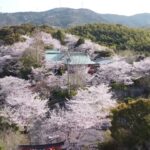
{"points": [[74, 58], [54, 57], [79, 58]]}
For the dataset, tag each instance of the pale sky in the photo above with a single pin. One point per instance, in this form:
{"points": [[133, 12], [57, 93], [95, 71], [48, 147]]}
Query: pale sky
{"points": [[122, 7]]}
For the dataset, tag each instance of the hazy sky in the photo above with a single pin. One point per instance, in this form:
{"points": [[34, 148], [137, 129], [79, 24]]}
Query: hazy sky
{"points": [[123, 7]]}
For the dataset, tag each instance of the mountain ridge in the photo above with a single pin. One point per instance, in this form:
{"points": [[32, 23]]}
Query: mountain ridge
{"points": [[67, 17]]}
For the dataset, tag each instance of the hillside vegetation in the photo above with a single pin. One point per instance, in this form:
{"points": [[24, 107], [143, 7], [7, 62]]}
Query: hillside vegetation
{"points": [[117, 37], [11, 34]]}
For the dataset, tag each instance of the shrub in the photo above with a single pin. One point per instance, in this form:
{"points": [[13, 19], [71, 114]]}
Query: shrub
{"points": [[60, 96], [27, 63], [48, 47], [118, 86], [7, 125], [9, 133], [106, 53], [10, 140]]}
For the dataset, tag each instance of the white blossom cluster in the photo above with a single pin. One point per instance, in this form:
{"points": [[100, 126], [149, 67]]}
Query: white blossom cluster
{"points": [[121, 72], [21, 105]]}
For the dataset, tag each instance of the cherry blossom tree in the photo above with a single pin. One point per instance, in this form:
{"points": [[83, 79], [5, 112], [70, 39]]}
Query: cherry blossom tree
{"points": [[142, 68], [88, 109], [21, 106], [49, 40], [117, 71]]}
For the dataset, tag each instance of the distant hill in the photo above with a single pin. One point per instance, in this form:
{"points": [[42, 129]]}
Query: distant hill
{"points": [[138, 20], [66, 17]]}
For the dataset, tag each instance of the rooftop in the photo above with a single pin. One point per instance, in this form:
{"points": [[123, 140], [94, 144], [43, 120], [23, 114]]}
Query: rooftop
{"points": [[73, 58]]}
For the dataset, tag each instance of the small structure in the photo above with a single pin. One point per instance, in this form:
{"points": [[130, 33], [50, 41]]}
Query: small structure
{"points": [[56, 146]]}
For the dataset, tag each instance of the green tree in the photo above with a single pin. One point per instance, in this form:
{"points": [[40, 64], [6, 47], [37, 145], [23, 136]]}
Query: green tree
{"points": [[9, 36], [131, 124], [59, 35], [79, 42]]}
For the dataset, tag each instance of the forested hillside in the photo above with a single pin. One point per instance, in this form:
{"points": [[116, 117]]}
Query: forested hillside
{"points": [[117, 37]]}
